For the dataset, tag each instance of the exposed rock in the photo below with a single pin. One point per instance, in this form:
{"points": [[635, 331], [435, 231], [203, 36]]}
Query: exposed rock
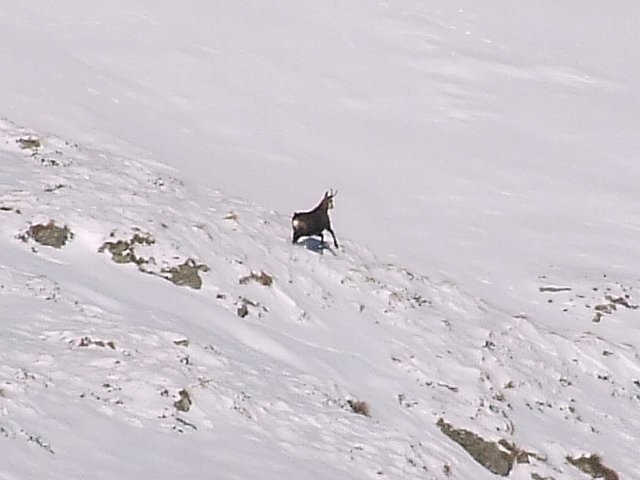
{"points": [[592, 465], [123, 251], [184, 402], [49, 235], [360, 407], [87, 342], [497, 457], [242, 311], [536, 476], [243, 307], [186, 274], [53, 188], [620, 300], [29, 142], [611, 304], [262, 278], [554, 289]]}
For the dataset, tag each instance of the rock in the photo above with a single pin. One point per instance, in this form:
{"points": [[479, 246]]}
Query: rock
{"points": [[186, 274], [497, 457], [262, 278], [592, 465], [184, 402], [49, 235]]}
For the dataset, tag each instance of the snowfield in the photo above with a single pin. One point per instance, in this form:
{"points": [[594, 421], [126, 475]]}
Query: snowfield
{"points": [[253, 364], [480, 318]]}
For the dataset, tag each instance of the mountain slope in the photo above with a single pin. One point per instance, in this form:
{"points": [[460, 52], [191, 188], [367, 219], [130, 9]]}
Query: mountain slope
{"points": [[492, 141], [177, 332]]}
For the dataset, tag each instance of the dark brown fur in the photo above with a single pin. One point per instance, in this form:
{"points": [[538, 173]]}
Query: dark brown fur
{"points": [[316, 221]]}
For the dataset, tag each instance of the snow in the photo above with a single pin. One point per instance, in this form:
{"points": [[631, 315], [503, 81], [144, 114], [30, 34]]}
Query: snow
{"points": [[485, 158]]}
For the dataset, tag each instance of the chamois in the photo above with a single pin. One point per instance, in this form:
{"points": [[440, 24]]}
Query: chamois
{"points": [[314, 222]]}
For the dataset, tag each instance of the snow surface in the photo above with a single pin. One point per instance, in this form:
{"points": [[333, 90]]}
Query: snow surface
{"points": [[486, 162]]}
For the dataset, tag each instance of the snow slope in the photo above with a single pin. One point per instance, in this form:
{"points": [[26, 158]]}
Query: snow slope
{"points": [[489, 142], [94, 354], [486, 159]]}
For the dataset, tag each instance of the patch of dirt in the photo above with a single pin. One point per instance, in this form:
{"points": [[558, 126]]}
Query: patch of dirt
{"points": [[49, 235], [593, 466]]}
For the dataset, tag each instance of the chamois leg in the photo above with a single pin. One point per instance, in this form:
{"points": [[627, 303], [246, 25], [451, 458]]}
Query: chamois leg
{"points": [[335, 242]]}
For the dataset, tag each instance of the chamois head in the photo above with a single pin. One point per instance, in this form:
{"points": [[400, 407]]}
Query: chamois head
{"points": [[314, 222], [328, 197]]}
